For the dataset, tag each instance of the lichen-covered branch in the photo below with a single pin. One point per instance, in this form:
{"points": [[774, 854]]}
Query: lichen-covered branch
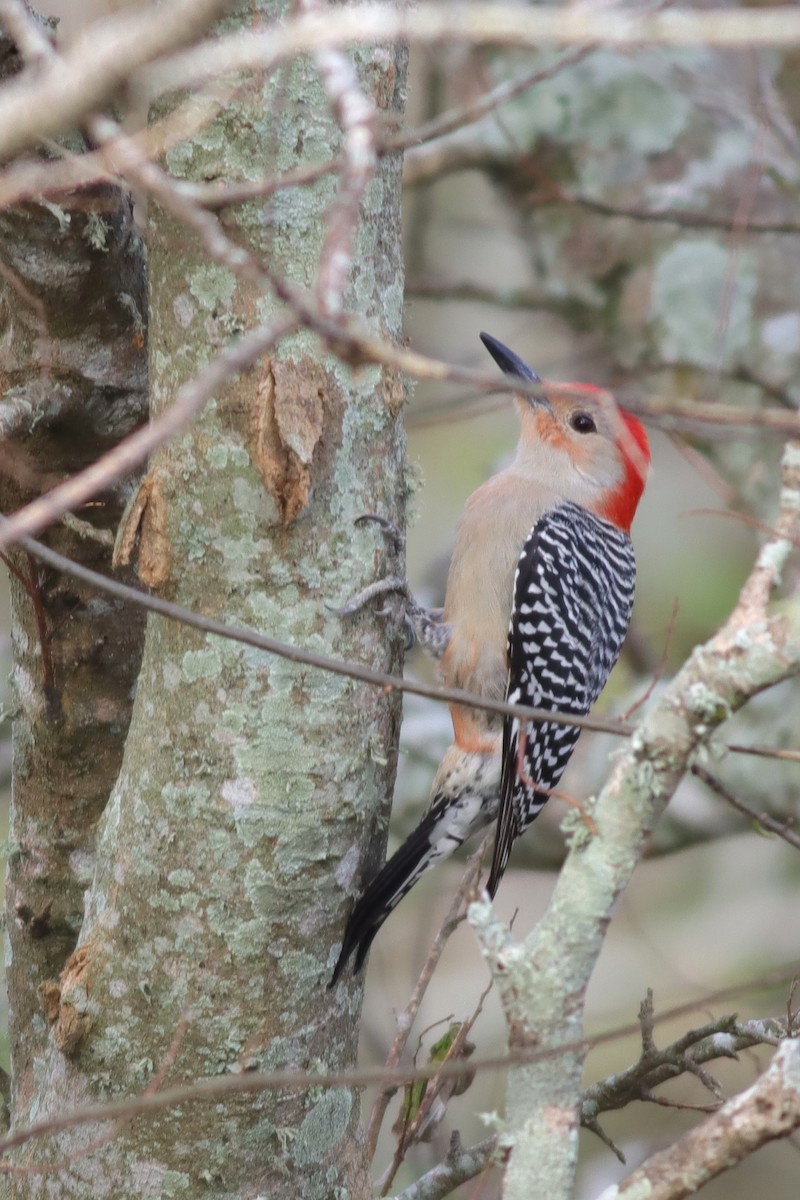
{"points": [[459, 1166], [768, 1110], [722, 1038]]}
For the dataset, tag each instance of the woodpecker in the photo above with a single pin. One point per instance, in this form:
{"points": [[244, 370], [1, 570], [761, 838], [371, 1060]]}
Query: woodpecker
{"points": [[538, 602]]}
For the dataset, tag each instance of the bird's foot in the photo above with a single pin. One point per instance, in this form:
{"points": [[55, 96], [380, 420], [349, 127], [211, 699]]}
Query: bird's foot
{"points": [[391, 585], [381, 587], [391, 532], [423, 625], [427, 626]]}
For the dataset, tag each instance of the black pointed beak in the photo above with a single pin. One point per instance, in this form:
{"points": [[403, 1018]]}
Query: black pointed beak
{"points": [[507, 360]]}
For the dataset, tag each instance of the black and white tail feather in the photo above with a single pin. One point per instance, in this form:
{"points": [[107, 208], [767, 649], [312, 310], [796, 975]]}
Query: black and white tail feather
{"points": [[453, 817], [573, 595]]}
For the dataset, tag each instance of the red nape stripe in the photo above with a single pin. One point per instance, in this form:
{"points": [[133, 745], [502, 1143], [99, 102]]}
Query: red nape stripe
{"points": [[620, 507]]}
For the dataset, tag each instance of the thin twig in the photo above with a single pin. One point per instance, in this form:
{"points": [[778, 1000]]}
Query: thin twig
{"points": [[118, 48], [785, 754], [459, 1166], [761, 818], [492, 24], [681, 218], [30, 178], [713, 418], [349, 338], [131, 161], [242, 192], [27, 31], [406, 1018], [357, 116], [91, 71], [209, 1089], [418, 1128], [662, 663], [502, 93], [250, 637], [134, 449], [298, 654]]}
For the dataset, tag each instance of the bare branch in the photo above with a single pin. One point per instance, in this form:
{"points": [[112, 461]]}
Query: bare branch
{"points": [[133, 450], [459, 1166], [352, 341], [27, 30], [250, 637], [468, 114], [768, 1110], [761, 818], [431, 162], [722, 1038], [488, 24], [64, 89], [357, 116], [114, 50], [28, 178], [406, 1018]]}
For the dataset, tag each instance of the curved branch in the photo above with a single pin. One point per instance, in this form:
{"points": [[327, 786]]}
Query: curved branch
{"points": [[768, 1110], [459, 1166]]}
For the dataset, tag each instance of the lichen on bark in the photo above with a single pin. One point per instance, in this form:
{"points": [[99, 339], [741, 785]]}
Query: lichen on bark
{"points": [[215, 908]]}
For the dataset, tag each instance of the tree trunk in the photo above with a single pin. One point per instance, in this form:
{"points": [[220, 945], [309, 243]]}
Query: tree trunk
{"points": [[234, 833], [73, 370]]}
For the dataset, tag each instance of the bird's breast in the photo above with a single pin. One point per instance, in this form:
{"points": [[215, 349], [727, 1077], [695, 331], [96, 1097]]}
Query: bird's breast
{"points": [[480, 585]]}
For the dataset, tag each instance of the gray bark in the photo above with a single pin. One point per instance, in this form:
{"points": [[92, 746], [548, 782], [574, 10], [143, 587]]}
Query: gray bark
{"points": [[73, 367], [249, 787]]}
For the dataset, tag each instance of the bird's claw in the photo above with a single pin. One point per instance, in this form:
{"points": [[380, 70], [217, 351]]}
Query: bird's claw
{"points": [[394, 584], [382, 587], [411, 633], [392, 532]]}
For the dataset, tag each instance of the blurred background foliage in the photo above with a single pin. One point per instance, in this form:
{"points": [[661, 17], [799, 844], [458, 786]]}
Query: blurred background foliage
{"points": [[631, 221], [512, 226]]}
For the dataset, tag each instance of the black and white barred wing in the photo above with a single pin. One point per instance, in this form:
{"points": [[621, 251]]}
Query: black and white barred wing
{"points": [[573, 595]]}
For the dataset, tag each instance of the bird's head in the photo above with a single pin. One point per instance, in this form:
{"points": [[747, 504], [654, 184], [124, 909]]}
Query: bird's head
{"points": [[575, 435]]}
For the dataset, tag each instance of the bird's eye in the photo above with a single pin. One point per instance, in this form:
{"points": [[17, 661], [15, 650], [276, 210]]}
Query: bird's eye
{"points": [[582, 422]]}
